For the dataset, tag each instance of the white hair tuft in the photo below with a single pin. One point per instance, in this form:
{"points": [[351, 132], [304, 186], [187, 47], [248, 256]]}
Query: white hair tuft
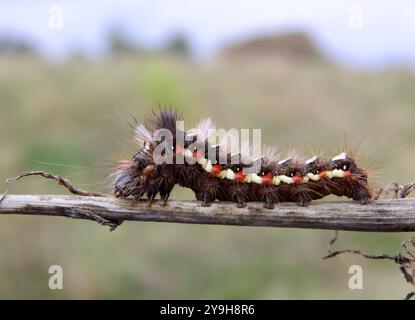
{"points": [[341, 156], [143, 136]]}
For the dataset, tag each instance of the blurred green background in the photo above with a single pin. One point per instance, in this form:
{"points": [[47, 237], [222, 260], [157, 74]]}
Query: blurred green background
{"points": [[70, 118]]}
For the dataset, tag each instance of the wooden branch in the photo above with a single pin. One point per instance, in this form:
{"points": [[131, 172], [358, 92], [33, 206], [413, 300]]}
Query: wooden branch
{"points": [[381, 216]]}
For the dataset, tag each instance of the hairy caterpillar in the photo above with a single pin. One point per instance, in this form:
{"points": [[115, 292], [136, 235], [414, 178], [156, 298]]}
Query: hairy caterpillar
{"points": [[288, 180]]}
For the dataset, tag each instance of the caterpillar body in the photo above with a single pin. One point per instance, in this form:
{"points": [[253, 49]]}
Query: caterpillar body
{"points": [[288, 180]]}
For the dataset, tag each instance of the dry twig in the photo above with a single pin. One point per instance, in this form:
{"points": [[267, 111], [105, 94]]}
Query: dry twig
{"points": [[87, 214], [405, 259], [61, 181]]}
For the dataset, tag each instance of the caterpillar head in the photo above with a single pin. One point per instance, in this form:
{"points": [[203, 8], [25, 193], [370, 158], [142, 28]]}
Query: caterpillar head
{"points": [[130, 175], [133, 181], [122, 184], [348, 165], [356, 185], [128, 178]]}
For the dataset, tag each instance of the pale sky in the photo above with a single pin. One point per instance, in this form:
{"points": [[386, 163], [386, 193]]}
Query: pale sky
{"points": [[361, 33]]}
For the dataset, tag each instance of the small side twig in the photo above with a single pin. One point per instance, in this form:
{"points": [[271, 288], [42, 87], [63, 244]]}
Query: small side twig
{"points": [[360, 253], [407, 189], [74, 190], [332, 253], [395, 191], [88, 214], [61, 181], [409, 296], [332, 241], [405, 259]]}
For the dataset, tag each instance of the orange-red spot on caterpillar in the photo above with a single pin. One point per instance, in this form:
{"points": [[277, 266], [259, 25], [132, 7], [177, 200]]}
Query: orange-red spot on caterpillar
{"points": [[298, 179], [267, 179], [323, 174], [240, 176], [347, 173], [216, 169]]}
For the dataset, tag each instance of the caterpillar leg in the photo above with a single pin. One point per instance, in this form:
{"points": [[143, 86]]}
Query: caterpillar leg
{"points": [[166, 181], [362, 195], [163, 187], [364, 201], [239, 194], [164, 196], [153, 188], [205, 197], [138, 193], [206, 200], [303, 199], [268, 195], [240, 201], [138, 190], [269, 202], [165, 190], [150, 198], [207, 190]]}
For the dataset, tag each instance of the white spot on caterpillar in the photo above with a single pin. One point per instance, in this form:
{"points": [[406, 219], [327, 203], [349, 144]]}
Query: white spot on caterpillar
{"points": [[285, 179], [341, 156], [208, 167], [336, 173], [305, 179], [202, 161], [256, 178], [188, 153], [248, 178], [230, 174], [222, 174], [329, 174], [314, 177], [276, 180]]}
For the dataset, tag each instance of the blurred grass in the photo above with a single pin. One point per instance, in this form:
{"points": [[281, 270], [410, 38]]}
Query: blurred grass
{"points": [[71, 119]]}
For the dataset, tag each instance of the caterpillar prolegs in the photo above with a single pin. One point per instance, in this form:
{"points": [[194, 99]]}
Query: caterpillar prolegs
{"points": [[288, 180]]}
